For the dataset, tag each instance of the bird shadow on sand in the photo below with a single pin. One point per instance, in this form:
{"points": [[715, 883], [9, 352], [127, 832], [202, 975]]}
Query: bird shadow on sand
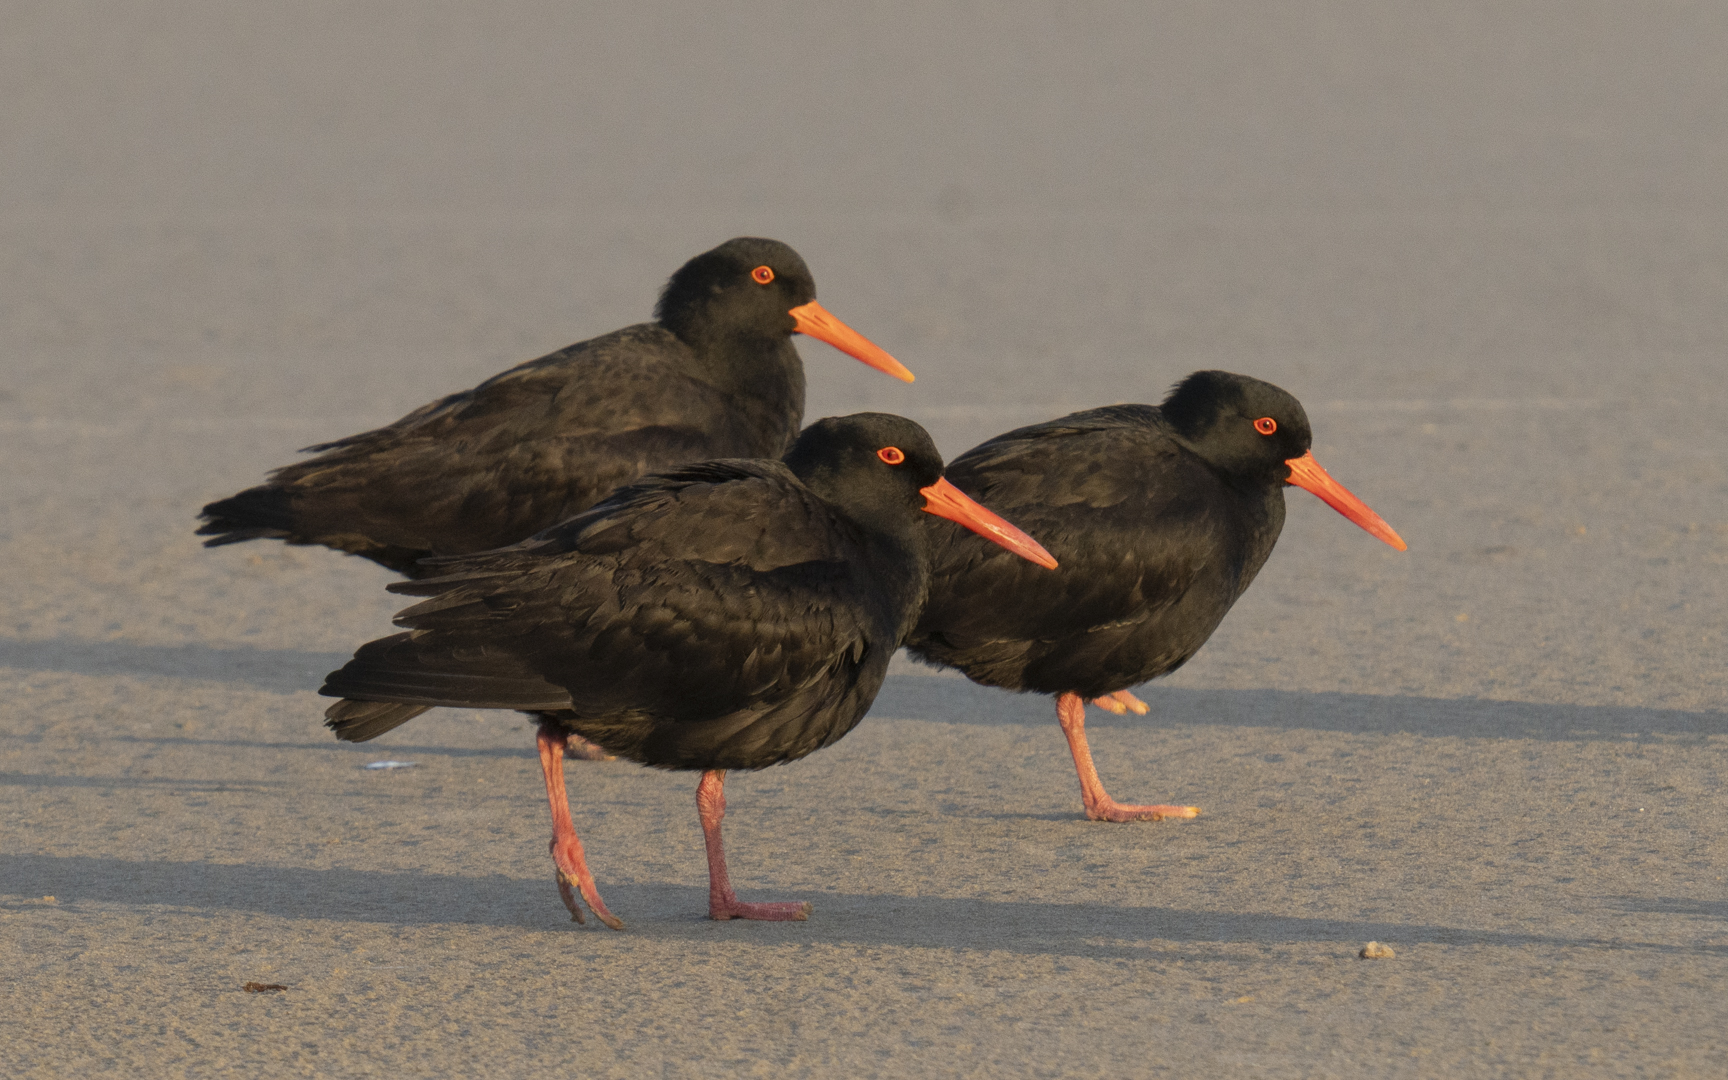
{"points": [[281, 671], [84, 885], [914, 692], [524, 749], [957, 701], [1674, 905]]}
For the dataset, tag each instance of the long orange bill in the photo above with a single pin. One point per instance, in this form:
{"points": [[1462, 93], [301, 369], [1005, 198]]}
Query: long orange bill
{"points": [[813, 319], [1307, 474], [945, 500]]}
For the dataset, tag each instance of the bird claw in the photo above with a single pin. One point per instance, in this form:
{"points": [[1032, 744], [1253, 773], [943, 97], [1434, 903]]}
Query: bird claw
{"points": [[568, 895], [590, 896], [571, 886]]}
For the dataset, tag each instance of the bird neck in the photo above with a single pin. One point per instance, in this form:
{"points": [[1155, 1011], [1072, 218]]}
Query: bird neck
{"points": [[744, 363], [1261, 522], [899, 562], [892, 545]]}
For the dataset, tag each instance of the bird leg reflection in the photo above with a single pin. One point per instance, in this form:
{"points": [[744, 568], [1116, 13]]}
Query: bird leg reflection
{"points": [[566, 848], [1071, 714], [723, 903]]}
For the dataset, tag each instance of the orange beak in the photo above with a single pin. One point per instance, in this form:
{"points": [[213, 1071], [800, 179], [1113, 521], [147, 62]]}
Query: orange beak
{"points": [[947, 501], [1307, 474], [813, 319]]}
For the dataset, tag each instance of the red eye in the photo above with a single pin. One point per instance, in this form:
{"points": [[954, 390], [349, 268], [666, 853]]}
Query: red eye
{"points": [[762, 274], [1265, 425], [891, 454]]}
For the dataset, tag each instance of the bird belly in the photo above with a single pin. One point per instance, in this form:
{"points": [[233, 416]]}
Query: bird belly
{"points": [[751, 737]]}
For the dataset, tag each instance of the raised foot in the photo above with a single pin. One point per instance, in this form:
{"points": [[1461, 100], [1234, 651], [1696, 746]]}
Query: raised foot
{"points": [[735, 909], [1122, 703], [1115, 811], [576, 748]]}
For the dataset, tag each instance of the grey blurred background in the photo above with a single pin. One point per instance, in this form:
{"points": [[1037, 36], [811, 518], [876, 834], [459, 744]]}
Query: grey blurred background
{"points": [[1483, 199], [1485, 243]]}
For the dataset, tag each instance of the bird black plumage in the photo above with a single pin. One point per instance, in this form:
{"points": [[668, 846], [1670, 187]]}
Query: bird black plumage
{"points": [[1160, 516], [715, 375], [724, 615]]}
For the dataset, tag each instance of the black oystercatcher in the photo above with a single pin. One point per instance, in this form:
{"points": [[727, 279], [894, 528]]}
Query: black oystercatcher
{"points": [[724, 615], [715, 376], [1160, 516]]}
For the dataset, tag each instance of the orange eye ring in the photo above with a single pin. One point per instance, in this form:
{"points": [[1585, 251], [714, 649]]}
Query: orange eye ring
{"points": [[1265, 425], [762, 275], [891, 454]]}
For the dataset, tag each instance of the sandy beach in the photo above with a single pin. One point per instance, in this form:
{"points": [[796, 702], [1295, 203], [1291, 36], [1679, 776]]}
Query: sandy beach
{"points": [[1486, 245]]}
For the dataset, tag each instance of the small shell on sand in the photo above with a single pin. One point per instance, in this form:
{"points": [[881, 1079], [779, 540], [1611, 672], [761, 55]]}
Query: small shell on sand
{"points": [[1376, 951]]}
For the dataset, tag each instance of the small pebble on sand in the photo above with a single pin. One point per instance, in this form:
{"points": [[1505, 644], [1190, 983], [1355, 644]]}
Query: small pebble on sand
{"points": [[1376, 951]]}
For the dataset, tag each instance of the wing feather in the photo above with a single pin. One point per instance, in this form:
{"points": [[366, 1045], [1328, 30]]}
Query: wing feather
{"points": [[529, 446]]}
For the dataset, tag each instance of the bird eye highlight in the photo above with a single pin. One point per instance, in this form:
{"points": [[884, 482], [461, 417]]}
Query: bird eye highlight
{"points": [[891, 454], [762, 274], [1265, 425]]}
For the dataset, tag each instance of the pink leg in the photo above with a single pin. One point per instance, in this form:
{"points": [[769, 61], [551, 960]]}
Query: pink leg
{"points": [[1122, 703], [576, 748], [566, 848], [1071, 714], [723, 903]]}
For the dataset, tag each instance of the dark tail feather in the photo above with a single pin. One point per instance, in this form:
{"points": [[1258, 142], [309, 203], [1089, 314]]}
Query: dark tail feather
{"points": [[360, 721], [424, 670], [254, 514]]}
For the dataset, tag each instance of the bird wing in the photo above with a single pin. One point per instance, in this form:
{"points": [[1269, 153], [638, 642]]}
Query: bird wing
{"points": [[523, 449], [1110, 494]]}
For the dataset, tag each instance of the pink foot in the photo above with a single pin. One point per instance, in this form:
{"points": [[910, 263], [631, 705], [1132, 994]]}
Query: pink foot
{"points": [[723, 908], [566, 848], [1122, 703], [723, 903], [576, 748], [1111, 810], [573, 871], [1071, 713]]}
